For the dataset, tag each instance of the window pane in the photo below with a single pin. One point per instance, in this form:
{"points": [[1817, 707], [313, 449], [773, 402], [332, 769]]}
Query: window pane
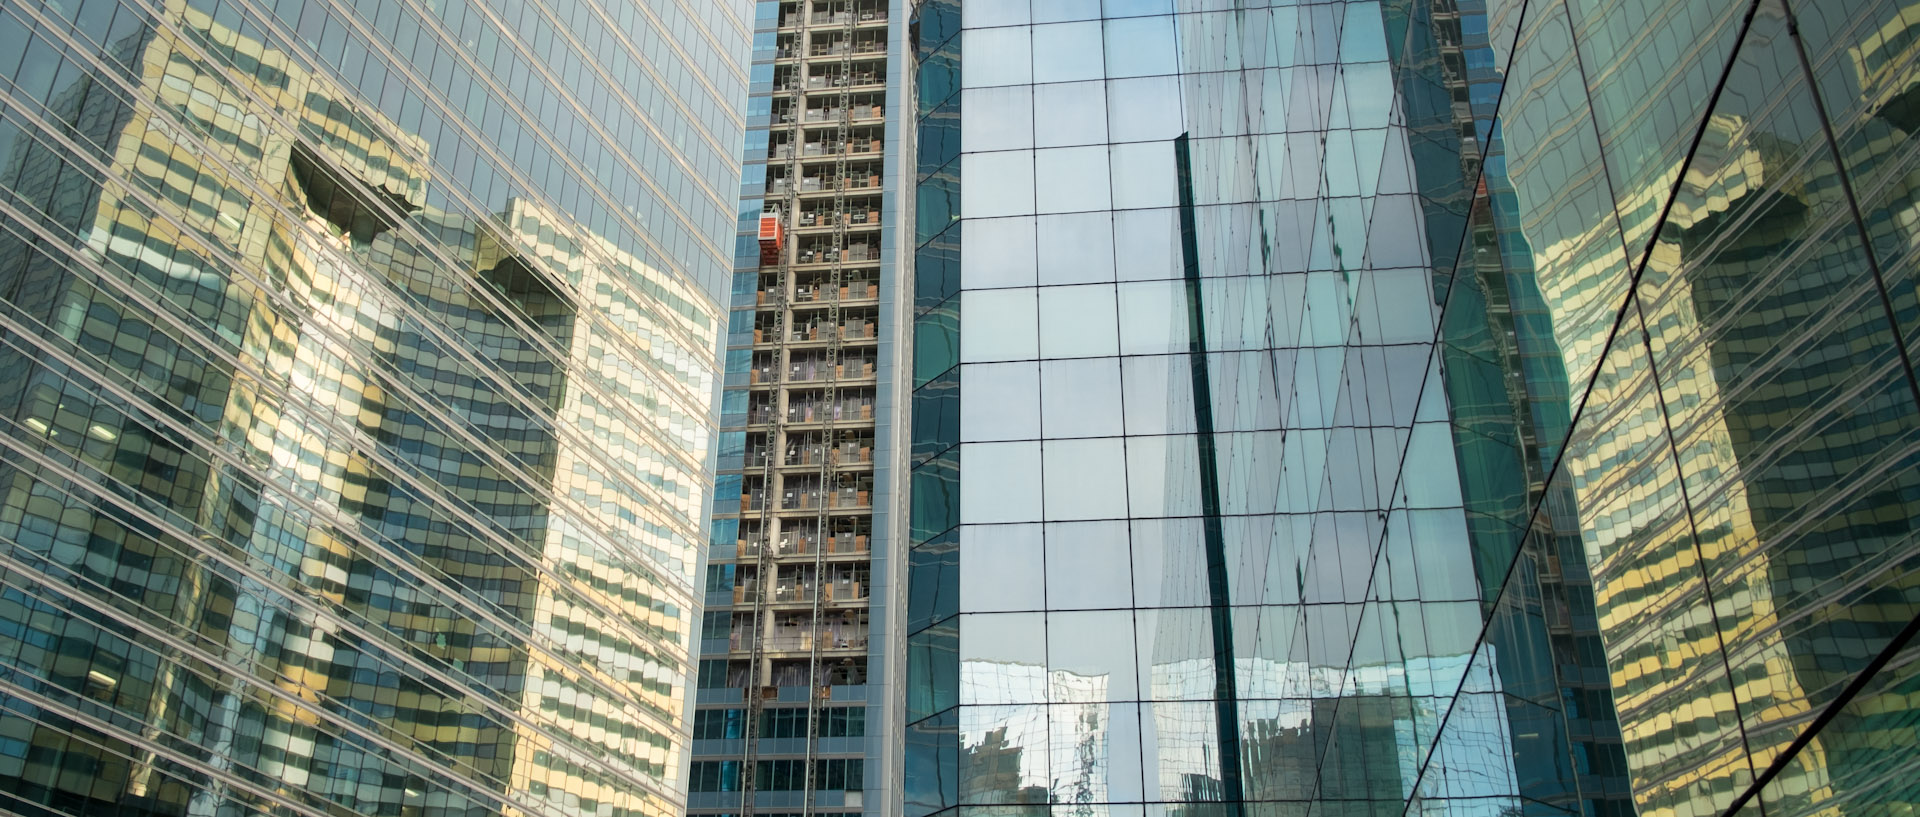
{"points": [[1001, 401], [1081, 398]]}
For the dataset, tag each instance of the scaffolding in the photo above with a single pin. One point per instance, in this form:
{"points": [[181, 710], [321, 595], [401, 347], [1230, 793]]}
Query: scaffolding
{"points": [[835, 333]]}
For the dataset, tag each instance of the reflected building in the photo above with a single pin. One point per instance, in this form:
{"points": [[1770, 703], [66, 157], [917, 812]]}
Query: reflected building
{"points": [[1481, 407], [356, 432], [1181, 422]]}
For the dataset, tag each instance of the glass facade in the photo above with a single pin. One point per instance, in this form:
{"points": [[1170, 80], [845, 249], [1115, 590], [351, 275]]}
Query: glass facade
{"points": [[357, 376], [1482, 407]]}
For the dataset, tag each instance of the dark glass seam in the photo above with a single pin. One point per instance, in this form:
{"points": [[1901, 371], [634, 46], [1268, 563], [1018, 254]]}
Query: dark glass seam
{"points": [[1226, 704]]}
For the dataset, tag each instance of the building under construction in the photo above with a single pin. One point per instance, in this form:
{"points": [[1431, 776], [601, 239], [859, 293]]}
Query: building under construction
{"points": [[792, 677]]}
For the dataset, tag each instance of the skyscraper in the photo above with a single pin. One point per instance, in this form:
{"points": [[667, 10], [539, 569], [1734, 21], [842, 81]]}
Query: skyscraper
{"points": [[1202, 536], [1471, 407], [358, 368], [799, 649]]}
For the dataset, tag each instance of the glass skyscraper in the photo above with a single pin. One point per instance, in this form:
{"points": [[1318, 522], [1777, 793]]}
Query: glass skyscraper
{"points": [[358, 368], [1389, 407]]}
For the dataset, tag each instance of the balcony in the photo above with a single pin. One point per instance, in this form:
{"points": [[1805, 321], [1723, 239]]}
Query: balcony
{"points": [[837, 593], [803, 642], [824, 184], [816, 413], [815, 454], [814, 331], [862, 217], [847, 543], [819, 293], [833, 639], [856, 254], [813, 371], [835, 18], [835, 82], [801, 501], [796, 544], [828, 150], [839, 499]]}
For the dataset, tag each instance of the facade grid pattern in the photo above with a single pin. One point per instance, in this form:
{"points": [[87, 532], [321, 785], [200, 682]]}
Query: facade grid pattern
{"points": [[1489, 407], [357, 373]]}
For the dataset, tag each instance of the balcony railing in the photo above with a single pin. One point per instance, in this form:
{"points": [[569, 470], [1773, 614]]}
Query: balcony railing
{"points": [[846, 453], [838, 592], [812, 372], [863, 330], [834, 18], [825, 218], [802, 545], [850, 291], [812, 150], [803, 642], [854, 254], [814, 413]]}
